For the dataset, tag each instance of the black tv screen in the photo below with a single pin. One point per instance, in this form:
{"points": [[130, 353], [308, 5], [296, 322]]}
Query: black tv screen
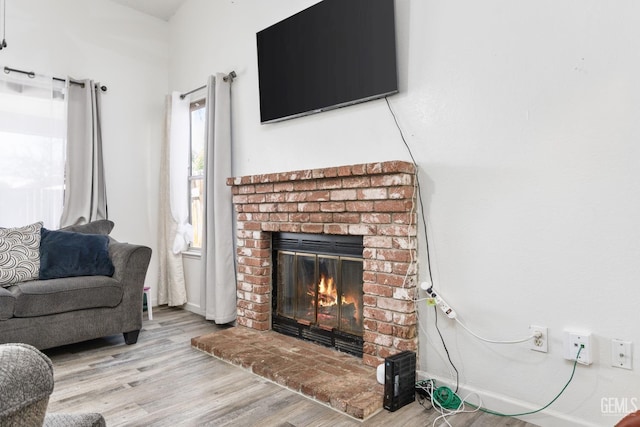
{"points": [[332, 54]]}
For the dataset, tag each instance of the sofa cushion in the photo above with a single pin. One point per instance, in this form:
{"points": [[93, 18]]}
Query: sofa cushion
{"points": [[7, 304], [68, 254], [19, 253], [101, 226], [44, 297]]}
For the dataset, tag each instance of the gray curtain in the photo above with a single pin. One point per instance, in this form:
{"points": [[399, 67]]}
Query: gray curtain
{"points": [[85, 197], [219, 279]]}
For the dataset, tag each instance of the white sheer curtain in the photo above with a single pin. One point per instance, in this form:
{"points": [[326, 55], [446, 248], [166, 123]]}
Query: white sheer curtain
{"points": [[32, 153], [219, 279], [175, 231], [85, 198]]}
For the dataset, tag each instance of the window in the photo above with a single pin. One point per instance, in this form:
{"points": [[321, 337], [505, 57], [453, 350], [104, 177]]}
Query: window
{"points": [[32, 151], [196, 170]]}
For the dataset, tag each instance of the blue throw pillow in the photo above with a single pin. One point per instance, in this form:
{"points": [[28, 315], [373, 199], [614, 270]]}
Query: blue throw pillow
{"points": [[69, 254]]}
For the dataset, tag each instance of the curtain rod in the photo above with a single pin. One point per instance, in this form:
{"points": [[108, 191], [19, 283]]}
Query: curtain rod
{"points": [[31, 75], [229, 77]]}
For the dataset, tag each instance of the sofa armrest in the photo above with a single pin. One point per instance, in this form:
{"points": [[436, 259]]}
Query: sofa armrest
{"points": [[130, 268], [130, 261]]}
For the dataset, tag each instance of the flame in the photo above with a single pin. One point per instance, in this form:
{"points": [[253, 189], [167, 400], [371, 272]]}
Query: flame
{"points": [[328, 296], [327, 292]]}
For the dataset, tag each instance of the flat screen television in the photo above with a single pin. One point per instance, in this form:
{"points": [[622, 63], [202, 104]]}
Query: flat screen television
{"points": [[332, 54]]}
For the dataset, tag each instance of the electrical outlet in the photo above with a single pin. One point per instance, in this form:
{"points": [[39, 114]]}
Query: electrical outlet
{"points": [[621, 355], [578, 341], [539, 341]]}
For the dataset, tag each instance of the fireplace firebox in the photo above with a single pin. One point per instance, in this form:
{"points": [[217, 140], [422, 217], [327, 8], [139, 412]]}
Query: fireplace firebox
{"points": [[318, 289]]}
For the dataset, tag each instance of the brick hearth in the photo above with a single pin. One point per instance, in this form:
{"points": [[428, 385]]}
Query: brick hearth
{"points": [[374, 200]]}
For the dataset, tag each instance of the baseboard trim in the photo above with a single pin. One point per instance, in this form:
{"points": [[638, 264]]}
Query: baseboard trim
{"points": [[509, 405]]}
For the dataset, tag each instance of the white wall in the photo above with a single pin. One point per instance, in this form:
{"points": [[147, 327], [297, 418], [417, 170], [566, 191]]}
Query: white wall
{"points": [[126, 51], [523, 119]]}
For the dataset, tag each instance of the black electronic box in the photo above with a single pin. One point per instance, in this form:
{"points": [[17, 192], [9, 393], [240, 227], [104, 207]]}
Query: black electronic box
{"points": [[399, 380]]}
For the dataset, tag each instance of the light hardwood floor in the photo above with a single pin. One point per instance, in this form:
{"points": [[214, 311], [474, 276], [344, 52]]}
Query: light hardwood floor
{"points": [[162, 381]]}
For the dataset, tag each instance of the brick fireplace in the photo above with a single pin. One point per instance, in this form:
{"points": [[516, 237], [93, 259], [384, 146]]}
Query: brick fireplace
{"points": [[373, 200]]}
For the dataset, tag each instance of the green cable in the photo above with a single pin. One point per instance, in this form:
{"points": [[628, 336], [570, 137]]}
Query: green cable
{"points": [[446, 398]]}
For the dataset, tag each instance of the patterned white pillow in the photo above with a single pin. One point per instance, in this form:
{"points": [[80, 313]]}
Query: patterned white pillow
{"points": [[19, 254]]}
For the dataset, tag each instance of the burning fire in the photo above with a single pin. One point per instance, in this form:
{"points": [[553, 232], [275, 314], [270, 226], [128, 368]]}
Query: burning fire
{"points": [[328, 296]]}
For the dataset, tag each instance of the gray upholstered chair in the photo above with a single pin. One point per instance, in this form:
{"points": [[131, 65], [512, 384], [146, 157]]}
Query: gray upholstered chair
{"points": [[26, 382]]}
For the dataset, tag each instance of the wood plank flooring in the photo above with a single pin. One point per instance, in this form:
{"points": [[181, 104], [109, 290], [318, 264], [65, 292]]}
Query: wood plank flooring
{"points": [[162, 381]]}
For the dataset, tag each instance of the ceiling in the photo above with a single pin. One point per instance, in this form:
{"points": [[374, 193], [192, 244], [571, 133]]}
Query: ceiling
{"points": [[163, 9]]}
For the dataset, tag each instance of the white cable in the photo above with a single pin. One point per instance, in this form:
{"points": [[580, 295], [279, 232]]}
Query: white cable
{"points": [[530, 337]]}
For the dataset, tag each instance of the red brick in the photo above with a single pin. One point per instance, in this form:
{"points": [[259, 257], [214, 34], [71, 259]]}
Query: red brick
{"points": [[392, 205], [405, 319], [369, 300], [330, 184], [372, 194], [344, 170], [370, 325], [299, 217], [396, 230], [362, 230], [377, 241], [247, 189], [369, 253], [403, 218], [275, 198], [378, 266], [391, 279], [280, 187], [268, 207], [378, 314], [304, 185], [386, 328], [351, 218], [369, 277], [287, 207], [342, 229], [403, 344], [396, 305], [394, 255], [379, 290], [349, 194], [239, 199], [403, 192], [318, 196], [376, 218], [356, 182], [296, 197], [249, 208], [290, 228], [311, 228], [308, 207], [391, 180], [279, 217], [264, 188], [332, 207], [359, 206], [401, 268], [323, 217], [257, 280], [399, 166]]}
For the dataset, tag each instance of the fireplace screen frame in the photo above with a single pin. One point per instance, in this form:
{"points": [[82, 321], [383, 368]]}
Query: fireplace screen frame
{"points": [[316, 247]]}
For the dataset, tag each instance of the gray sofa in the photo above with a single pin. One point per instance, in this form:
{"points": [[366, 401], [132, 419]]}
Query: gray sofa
{"points": [[60, 311]]}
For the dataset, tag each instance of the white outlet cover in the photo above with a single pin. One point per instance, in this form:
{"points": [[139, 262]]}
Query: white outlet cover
{"points": [[572, 342], [621, 355]]}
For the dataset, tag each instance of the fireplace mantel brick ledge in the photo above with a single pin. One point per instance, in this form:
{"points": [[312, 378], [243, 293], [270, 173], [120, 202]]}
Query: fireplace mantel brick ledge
{"points": [[374, 200]]}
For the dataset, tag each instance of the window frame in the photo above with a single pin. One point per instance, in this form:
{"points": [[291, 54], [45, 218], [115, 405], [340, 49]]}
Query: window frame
{"points": [[194, 105]]}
